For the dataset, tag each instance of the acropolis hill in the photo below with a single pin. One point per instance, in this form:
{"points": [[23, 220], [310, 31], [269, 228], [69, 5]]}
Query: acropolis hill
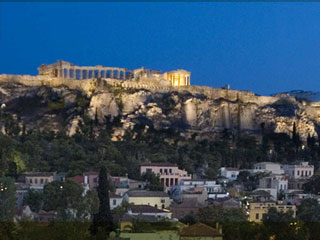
{"points": [[62, 94]]}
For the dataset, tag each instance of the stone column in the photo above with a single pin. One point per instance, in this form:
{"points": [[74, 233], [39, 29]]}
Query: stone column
{"points": [[99, 73], [111, 73], [67, 72], [75, 73], [81, 74]]}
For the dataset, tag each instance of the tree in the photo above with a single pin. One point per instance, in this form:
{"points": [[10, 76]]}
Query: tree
{"points": [[34, 200], [67, 199], [295, 137], [189, 219], [102, 221], [154, 183], [234, 221], [7, 199], [313, 186], [280, 224], [309, 214]]}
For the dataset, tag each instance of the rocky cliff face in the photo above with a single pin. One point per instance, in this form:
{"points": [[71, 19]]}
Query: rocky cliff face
{"points": [[190, 110]]}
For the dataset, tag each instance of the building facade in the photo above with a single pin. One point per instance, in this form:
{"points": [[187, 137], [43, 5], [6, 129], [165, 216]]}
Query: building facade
{"points": [[152, 198], [37, 180], [178, 77], [258, 209], [67, 70], [268, 167], [301, 170], [169, 173], [231, 174]]}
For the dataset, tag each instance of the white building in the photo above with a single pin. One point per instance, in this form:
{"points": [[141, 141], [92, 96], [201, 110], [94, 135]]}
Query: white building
{"points": [[213, 189], [115, 200], [268, 167], [274, 184], [231, 174], [299, 171]]}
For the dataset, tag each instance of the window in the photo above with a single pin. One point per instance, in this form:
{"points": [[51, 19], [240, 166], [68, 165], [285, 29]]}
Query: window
{"points": [[170, 170], [163, 201], [41, 180], [30, 180], [160, 170], [298, 173], [257, 215], [114, 202], [36, 180], [302, 173], [148, 170], [309, 172], [46, 181]]}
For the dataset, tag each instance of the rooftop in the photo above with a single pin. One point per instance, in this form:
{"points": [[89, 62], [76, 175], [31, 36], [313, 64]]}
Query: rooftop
{"points": [[144, 193], [113, 195], [260, 193], [90, 173], [200, 230], [159, 164], [39, 174], [273, 163], [187, 203], [145, 209]]}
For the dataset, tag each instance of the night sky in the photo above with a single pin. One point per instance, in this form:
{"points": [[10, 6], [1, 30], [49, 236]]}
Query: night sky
{"points": [[261, 47]]}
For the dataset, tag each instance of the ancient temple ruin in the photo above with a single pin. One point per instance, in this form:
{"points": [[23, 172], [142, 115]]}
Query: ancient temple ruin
{"points": [[67, 70]]}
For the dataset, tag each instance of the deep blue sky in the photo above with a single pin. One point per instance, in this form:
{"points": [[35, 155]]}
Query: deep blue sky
{"points": [[262, 47]]}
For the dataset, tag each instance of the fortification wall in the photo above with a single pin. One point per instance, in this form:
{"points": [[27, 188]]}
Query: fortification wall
{"points": [[89, 85], [28, 80]]}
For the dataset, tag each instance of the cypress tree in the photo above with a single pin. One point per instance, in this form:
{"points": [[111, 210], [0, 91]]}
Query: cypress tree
{"points": [[296, 138], [102, 221]]}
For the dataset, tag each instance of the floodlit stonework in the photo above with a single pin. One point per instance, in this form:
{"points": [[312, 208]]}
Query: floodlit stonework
{"points": [[67, 70]]}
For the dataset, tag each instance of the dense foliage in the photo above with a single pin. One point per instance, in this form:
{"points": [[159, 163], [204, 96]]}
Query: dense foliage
{"points": [[91, 147]]}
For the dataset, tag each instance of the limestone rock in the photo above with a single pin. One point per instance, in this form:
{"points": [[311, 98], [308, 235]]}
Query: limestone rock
{"points": [[103, 104]]}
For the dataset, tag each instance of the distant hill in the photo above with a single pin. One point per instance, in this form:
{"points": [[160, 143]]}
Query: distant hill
{"points": [[305, 95]]}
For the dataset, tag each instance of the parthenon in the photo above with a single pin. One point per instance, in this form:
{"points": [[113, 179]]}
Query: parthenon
{"points": [[67, 70]]}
